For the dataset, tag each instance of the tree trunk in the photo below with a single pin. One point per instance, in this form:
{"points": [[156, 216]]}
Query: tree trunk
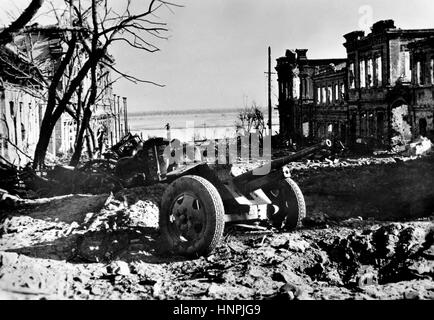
{"points": [[89, 146], [80, 137], [87, 113], [52, 114], [28, 14], [92, 138], [42, 146]]}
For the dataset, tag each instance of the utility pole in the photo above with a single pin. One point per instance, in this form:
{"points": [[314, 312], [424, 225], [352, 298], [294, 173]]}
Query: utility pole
{"points": [[125, 115], [270, 124]]}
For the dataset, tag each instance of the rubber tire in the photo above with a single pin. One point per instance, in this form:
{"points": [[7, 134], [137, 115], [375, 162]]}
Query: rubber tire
{"points": [[213, 207], [296, 211]]}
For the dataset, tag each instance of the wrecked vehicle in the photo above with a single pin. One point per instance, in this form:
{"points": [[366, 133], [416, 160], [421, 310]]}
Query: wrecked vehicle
{"points": [[126, 147], [197, 203]]}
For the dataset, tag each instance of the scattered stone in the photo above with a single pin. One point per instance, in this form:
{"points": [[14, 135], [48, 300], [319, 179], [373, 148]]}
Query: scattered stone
{"points": [[237, 247], [366, 276], [256, 272], [119, 268], [422, 268], [279, 241], [298, 245], [8, 259], [411, 240], [289, 292], [292, 242], [287, 276], [275, 264], [96, 290], [333, 277], [157, 290], [71, 228], [429, 253], [411, 295]]}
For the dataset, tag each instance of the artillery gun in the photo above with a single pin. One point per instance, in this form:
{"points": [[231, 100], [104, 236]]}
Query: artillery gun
{"points": [[197, 204]]}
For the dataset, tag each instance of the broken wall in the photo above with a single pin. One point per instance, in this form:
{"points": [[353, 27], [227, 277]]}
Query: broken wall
{"points": [[399, 189], [401, 128], [20, 123]]}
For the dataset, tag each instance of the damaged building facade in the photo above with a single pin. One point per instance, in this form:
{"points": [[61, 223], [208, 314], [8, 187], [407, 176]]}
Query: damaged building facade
{"points": [[380, 95], [21, 106], [299, 94], [23, 102], [44, 49], [422, 90]]}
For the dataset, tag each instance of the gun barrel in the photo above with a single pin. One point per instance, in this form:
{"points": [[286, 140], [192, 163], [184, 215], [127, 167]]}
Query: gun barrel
{"points": [[279, 163]]}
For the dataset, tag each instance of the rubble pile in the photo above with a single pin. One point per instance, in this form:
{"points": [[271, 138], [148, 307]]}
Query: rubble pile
{"points": [[127, 223], [109, 250], [9, 178], [299, 167], [381, 255], [107, 246], [381, 188]]}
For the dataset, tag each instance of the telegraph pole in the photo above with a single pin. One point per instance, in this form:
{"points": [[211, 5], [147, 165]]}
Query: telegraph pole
{"points": [[270, 111]]}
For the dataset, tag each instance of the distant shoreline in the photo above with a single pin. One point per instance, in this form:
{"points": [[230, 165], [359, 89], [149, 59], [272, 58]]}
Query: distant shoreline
{"points": [[187, 111]]}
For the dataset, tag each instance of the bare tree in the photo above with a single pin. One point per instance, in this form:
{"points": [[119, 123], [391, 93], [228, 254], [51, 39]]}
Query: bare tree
{"points": [[28, 14], [95, 28], [250, 118]]}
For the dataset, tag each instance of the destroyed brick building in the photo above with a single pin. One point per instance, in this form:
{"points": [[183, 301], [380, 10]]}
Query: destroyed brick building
{"points": [[44, 48], [21, 106], [422, 62], [380, 95], [298, 97], [41, 51], [330, 114]]}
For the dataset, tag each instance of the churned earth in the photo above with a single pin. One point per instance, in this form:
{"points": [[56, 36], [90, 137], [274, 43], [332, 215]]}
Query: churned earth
{"points": [[107, 246]]}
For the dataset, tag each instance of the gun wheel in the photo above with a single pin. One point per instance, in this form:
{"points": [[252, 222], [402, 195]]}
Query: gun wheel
{"points": [[289, 208], [191, 216]]}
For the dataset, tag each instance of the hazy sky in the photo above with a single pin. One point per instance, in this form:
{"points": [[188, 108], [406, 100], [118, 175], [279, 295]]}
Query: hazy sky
{"points": [[217, 52]]}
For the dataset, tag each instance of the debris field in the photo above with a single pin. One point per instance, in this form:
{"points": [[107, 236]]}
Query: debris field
{"points": [[368, 234]]}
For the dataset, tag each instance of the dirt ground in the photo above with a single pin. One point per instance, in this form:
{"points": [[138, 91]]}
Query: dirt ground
{"points": [[107, 247]]}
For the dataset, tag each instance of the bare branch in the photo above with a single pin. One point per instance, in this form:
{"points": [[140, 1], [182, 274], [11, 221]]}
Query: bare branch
{"points": [[132, 78], [23, 19], [55, 29]]}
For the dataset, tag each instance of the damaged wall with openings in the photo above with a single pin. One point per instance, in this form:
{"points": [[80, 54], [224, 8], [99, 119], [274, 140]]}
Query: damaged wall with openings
{"points": [[380, 96], [43, 49], [21, 107]]}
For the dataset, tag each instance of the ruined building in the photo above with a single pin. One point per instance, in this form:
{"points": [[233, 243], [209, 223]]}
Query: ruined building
{"points": [[45, 49], [21, 106], [298, 96], [22, 103], [380, 95], [422, 89]]}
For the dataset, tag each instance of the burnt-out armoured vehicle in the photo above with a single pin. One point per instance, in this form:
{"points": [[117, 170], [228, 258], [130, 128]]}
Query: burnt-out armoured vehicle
{"points": [[197, 202]]}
